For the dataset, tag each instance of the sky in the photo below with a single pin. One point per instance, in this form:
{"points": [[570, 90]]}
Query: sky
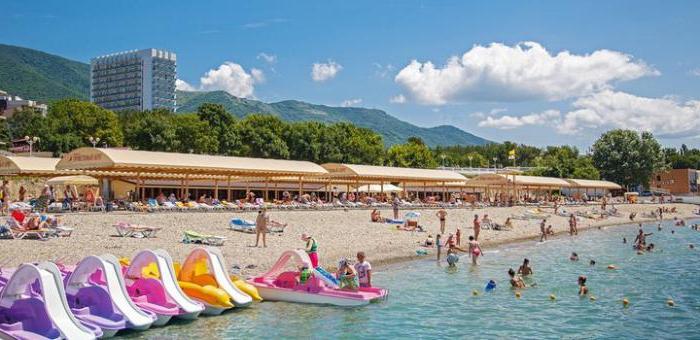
{"points": [[534, 72]]}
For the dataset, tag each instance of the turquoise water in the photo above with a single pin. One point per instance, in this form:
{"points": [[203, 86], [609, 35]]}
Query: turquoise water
{"points": [[431, 301]]}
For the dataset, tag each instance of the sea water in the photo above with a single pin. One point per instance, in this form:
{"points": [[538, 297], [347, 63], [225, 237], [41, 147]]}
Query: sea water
{"points": [[430, 300]]}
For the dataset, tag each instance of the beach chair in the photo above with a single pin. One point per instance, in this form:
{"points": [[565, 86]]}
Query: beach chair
{"points": [[195, 237], [125, 229]]}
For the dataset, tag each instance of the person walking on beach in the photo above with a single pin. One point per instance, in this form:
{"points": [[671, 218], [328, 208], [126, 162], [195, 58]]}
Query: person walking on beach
{"points": [[261, 226], [543, 230], [395, 206], [477, 227], [311, 248], [442, 216], [573, 230]]}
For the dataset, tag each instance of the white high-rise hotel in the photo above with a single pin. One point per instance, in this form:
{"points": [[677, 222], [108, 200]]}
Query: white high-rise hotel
{"points": [[134, 80]]}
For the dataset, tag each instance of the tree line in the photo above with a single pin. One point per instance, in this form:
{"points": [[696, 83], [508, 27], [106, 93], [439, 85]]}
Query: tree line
{"points": [[623, 156]]}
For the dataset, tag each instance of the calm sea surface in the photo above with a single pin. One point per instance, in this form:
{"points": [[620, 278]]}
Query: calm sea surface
{"points": [[431, 301]]}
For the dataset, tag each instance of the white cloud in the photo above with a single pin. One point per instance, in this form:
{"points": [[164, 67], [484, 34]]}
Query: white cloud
{"points": [[526, 71], [667, 117], [398, 99], [268, 58], [695, 72], [382, 71], [491, 112], [324, 71], [184, 86], [351, 102], [232, 78], [508, 122]]}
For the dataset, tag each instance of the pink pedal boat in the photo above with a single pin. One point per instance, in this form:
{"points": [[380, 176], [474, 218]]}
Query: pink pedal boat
{"points": [[160, 295], [280, 285]]}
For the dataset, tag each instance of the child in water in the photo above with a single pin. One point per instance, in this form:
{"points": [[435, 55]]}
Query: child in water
{"points": [[573, 257], [582, 289]]}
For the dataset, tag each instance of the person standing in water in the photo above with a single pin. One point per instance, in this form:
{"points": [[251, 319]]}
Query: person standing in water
{"points": [[474, 250], [477, 227], [525, 269], [438, 244], [516, 282], [442, 216], [311, 248], [582, 289], [261, 222], [458, 237]]}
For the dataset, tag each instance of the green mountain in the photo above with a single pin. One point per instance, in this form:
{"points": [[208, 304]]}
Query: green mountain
{"points": [[36, 75], [391, 128], [40, 76]]}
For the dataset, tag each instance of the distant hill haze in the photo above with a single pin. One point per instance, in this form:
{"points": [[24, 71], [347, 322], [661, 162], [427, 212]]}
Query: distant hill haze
{"points": [[36, 75]]}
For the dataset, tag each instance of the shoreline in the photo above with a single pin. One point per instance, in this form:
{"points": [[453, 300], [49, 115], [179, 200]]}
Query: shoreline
{"points": [[339, 233], [387, 263]]}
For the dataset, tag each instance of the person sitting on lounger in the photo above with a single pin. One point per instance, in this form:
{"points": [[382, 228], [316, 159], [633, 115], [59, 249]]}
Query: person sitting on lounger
{"points": [[34, 222], [410, 225]]}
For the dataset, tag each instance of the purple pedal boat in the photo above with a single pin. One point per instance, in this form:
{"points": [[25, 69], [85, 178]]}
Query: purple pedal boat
{"points": [[97, 296], [33, 306]]}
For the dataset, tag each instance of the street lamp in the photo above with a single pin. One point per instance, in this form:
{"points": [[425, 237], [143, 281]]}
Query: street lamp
{"points": [[94, 140], [31, 140], [443, 156], [470, 157]]}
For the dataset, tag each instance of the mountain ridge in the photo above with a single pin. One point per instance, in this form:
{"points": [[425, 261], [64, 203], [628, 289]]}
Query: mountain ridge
{"points": [[41, 76]]}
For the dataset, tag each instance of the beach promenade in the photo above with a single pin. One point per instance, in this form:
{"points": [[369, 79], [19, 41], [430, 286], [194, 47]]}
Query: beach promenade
{"points": [[339, 233]]}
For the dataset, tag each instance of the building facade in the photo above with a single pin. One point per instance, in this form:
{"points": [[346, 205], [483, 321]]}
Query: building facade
{"points": [[134, 80], [676, 181], [9, 104]]}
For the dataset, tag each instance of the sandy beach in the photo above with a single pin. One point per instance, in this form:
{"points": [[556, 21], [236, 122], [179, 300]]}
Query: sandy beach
{"points": [[339, 233]]}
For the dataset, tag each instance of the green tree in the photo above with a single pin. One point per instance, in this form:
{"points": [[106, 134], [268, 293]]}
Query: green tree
{"points": [[149, 130], [4, 134], [194, 135], [627, 157], [72, 121], [261, 136], [223, 125], [413, 154], [305, 141], [27, 122], [584, 169], [348, 143]]}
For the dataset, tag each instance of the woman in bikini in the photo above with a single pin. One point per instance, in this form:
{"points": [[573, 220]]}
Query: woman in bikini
{"points": [[474, 250]]}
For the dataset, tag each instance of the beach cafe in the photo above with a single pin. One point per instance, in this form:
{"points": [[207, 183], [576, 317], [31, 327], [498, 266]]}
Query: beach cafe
{"points": [[145, 174]]}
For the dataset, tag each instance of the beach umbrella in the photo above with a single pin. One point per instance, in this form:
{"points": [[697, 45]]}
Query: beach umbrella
{"points": [[73, 180]]}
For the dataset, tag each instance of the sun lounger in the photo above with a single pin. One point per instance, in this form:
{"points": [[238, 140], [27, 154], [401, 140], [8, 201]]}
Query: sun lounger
{"points": [[195, 237], [125, 229]]}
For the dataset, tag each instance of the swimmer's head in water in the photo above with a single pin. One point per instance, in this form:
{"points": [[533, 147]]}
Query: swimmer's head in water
{"points": [[592, 263], [511, 272], [582, 280], [526, 261]]}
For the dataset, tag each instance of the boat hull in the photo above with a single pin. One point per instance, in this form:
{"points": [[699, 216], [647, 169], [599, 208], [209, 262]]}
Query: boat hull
{"points": [[279, 294]]}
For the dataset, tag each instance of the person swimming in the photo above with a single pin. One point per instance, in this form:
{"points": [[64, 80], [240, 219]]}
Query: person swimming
{"points": [[592, 263], [582, 289], [573, 257], [516, 281], [525, 268]]}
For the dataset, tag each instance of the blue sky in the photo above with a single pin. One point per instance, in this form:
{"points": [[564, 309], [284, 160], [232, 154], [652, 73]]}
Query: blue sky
{"points": [[629, 63]]}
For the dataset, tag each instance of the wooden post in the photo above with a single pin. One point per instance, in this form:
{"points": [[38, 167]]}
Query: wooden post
{"points": [[216, 188], [276, 197], [267, 182], [228, 189], [301, 186]]}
